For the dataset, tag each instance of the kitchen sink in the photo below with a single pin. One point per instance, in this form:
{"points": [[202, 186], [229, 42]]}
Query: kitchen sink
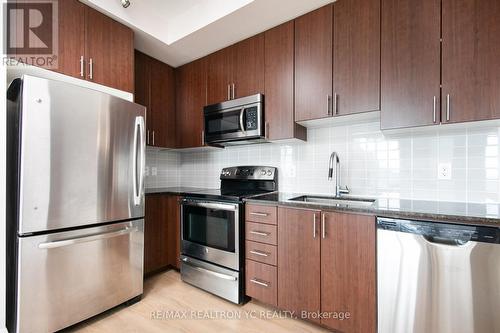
{"points": [[335, 201]]}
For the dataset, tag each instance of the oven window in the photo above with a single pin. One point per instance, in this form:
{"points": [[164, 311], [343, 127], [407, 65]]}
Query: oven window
{"points": [[222, 123], [209, 227]]}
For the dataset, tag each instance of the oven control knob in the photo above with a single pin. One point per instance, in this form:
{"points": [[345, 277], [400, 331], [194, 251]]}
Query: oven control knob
{"points": [[263, 172], [269, 172]]}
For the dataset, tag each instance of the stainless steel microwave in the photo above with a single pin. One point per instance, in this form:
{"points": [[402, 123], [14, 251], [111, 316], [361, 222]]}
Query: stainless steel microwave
{"points": [[239, 121]]}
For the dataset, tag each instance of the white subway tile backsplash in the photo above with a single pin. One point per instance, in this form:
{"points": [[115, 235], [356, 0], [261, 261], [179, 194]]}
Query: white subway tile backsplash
{"points": [[402, 166]]}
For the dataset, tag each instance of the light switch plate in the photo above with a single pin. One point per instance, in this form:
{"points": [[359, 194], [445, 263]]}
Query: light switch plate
{"points": [[444, 171]]}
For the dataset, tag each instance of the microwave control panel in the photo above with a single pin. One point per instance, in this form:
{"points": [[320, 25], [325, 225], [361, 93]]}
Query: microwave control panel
{"points": [[251, 119]]}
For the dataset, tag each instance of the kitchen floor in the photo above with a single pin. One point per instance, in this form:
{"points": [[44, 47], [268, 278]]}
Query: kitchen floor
{"points": [[165, 294]]}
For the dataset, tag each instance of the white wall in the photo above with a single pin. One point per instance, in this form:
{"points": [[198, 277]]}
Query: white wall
{"points": [[2, 177], [372, 164]]}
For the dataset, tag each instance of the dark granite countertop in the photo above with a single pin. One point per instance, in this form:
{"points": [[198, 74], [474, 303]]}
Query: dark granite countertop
{"points": [[451, 212], [174, 190]]}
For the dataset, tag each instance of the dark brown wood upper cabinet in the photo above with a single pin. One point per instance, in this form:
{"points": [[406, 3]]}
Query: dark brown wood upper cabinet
{"points": [[191, 90], [313, 64], [219, 76], [71, 41], [236, 71], [471, 60], [411, 49], [109, 52], [348, 277], [299, 250], [155, 89], [356, 56], [162, 105], [279, 76], [248, 73]]}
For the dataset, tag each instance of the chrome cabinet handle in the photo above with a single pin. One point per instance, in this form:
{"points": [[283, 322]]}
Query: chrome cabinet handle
{"points": [[153, 138], [266, 130], [202, 138], [233, 92], [147, 139], [328, 109], [335, 103], [86, 239], [260, 233], [259, 253], [323, 231], [434, 109], [204, 270], [314, 226], [259, 214], [82, 66], [448, 107], [260, 283], [91, 69], [228, 92]]}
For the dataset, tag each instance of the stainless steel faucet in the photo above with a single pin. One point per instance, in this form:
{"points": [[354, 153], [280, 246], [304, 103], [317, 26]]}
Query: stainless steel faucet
{"points": [[334, 158]]}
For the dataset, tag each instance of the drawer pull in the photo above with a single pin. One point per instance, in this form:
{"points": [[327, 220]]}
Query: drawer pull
{"points": [[259, 214], [258, 253], [260, 233], [260, 283]]}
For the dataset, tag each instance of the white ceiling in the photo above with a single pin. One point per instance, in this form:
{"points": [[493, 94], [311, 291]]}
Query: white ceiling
{"points": [[179, 31]]}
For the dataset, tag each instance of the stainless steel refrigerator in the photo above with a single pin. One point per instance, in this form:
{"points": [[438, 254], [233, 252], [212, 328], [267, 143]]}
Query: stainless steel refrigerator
{"points": [[75, 228]]}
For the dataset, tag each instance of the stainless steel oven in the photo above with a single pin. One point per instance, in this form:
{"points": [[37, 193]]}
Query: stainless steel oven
{"points": [[237, 121], [210, 231]]}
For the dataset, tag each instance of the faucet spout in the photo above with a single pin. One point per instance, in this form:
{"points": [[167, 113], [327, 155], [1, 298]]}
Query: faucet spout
{"points": [[334, 159]]}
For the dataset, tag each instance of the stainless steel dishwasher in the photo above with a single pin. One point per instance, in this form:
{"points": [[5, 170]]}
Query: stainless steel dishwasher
{"points": [[437, 277]]}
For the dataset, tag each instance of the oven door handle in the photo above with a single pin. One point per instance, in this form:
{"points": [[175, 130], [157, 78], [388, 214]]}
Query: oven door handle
{"points": [[207, 271], [211, 205], [242, 124]]}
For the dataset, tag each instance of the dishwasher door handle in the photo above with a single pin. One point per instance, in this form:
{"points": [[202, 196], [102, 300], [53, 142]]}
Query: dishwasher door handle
{"points": [[445, 241]]}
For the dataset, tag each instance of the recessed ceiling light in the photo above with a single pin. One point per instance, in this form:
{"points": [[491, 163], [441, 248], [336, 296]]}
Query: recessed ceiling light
{"points": [[125, 3]]}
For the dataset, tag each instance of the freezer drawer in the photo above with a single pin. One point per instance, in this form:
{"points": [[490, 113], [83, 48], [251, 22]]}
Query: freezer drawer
{"points": [[66, 277]]}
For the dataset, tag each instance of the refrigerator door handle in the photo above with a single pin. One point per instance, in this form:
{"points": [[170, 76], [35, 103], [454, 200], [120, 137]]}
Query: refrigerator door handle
{"points": [[85, 239], [138, 154]]}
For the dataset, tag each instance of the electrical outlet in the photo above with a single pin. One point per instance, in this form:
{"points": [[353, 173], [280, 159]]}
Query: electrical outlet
{"points": [[154, 171], [444, 171], [146, 171]]}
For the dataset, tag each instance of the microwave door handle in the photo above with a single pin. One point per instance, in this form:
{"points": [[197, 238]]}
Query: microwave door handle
{"points": [[242, 124]]}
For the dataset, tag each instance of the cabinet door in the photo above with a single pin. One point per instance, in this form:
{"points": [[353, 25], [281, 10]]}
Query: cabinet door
{"points": [[348, 278], [155, 233], [191, 88], [471, 60], [313, 64], [248, 70], [356, 56], [299, 260], [279, 75], [174, 231], [411, 66], [71, 38], [109, 45], [142, 91], [162, 104], [219, 76]]}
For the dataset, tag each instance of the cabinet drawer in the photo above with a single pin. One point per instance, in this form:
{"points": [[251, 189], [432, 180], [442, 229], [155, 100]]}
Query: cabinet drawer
{"points": [[263, 253], [261, 214], [262, 233], [261, 282]]}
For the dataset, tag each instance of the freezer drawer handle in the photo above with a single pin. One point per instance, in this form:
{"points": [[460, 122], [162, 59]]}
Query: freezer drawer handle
{"points": [[73, 241], [204, 270]]}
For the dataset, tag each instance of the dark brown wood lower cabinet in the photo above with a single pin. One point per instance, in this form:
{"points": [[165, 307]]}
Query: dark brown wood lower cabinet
{"points": [[348, 277], [161, 232], [299, 262]]}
